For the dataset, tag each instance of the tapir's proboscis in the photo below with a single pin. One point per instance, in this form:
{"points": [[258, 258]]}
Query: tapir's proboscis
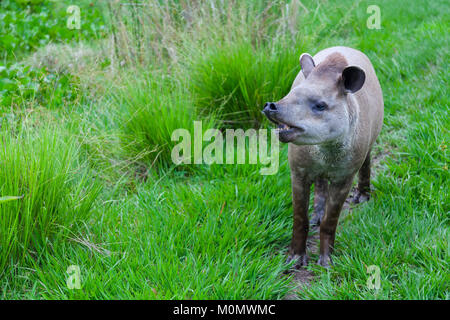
{"points": [[330, 118]]}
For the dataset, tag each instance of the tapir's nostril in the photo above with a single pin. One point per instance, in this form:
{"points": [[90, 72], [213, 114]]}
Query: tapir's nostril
{"points": [[270, 106]]}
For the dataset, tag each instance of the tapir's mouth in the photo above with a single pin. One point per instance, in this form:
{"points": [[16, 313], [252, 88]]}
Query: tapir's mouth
{"points": [[286, 132], [283, 127]]}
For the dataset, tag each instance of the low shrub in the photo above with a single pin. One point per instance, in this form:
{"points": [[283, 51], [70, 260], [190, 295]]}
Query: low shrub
{"points": [[26, 25], [22, 86]]}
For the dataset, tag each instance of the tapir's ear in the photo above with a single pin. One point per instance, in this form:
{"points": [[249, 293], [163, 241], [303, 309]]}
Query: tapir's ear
{"points": [[307, 63], [353, 79]]}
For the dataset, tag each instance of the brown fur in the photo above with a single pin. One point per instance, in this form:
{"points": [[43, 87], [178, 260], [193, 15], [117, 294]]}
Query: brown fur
{"points": [[333, 65]]}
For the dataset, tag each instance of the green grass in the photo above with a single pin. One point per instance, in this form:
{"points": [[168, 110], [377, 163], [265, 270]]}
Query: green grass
{"points": [[48, 192], [157, 231], [149, 110]]}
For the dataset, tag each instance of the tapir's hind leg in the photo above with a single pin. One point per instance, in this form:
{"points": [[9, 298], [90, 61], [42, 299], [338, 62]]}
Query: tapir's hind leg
{"points": [[320, 199], [337, 193], [363, 192]]}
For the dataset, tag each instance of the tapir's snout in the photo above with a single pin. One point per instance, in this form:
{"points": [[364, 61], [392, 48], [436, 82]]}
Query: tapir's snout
{"points": [[286, 129]]}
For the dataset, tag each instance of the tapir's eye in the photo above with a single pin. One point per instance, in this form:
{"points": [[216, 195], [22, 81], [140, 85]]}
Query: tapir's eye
{"points": [[320, 106]]}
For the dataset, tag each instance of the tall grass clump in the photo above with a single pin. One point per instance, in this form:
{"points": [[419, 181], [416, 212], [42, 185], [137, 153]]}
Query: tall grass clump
{"points": [[236, 78], [46, 190], [150, 108]]}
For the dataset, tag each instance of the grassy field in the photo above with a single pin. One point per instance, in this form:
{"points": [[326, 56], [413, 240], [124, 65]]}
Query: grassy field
{"points": [[86, 177]]}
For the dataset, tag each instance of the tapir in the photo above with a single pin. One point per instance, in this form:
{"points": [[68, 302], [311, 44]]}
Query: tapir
{"points": [[330, 118]]}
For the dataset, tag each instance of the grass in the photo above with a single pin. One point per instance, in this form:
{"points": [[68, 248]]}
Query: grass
{"points": [[45, 197], [142, 104], [218, 231]]}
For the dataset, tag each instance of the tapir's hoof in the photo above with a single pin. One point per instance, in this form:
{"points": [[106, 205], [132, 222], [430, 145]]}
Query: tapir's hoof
{"points": [[360, 197], [325, 261], [301, 260]]}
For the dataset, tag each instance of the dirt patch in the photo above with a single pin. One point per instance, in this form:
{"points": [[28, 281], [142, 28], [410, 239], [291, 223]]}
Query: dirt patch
{"points": [[303, 277], [300, 279]]}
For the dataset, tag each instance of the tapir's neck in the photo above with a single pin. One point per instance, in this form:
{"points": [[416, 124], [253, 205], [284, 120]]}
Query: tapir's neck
{"points": [[333, 152]]}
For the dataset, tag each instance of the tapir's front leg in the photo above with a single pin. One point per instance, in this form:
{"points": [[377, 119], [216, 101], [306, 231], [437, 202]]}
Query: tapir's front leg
{"points": [[300, 200], [337, 193], [320, 200]]}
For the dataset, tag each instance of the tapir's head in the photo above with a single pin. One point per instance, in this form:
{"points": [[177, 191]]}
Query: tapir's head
{"points": [[316, 110]]}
